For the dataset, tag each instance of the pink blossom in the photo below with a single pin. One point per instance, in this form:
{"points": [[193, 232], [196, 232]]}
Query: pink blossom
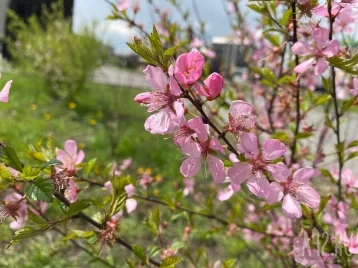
{"points": [[189, 67], [4, 94], [188, 131], [258, 163], [117, 171], [123, 5], [163, 99], [294, 191], [21, 217], [203, 150], [336, 212], [227, 193], [345, 17], [323, 10], [241, 117], [69, 157], [71, 192], [131, 203], [213, 85], [354, 90], [209, 53], [189, 184], [196, 42], [321, 49]]}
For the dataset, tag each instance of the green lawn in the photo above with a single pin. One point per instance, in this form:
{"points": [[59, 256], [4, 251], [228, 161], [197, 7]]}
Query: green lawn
{"points": [[106, 122]]}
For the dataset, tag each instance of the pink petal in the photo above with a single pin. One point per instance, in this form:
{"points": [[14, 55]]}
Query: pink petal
{"points": [[303, 175], [291, 207], [173, 84], [239, 107], [279, 171], [159, 123], [332, 49], [123, 5], [309, 196], [321, 66], [80, 157], [216, 168], [239, 172], [156, 77], [225, 194], [109, 186], [71, 148], [275, 194], [190, 167], [320, 36], [143, 97], [179, 111], [198, 126], [215, 145], [304, 66], [131, 205], [4, 94], [273, 149], [191, 148], [248, 143], [258, 185], [130, 190], [214, 84], [301, 48]]}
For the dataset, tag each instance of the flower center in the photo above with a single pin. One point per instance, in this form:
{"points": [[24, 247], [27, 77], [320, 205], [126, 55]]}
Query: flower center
{"points": [[258, 164]]}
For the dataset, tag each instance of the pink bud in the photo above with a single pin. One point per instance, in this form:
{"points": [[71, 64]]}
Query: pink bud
{"points": [[214, 84], [143, 97]]}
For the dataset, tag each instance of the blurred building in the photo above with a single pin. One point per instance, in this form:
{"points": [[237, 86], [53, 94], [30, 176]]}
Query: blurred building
{"points": [[25, 8], [230, 52]]}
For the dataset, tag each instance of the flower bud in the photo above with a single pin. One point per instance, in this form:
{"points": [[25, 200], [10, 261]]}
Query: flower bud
{"points": [[143, 97], [214, 84]]}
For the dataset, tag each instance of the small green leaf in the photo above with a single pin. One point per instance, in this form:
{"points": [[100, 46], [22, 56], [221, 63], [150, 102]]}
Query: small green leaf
{"points": [[270, 206], [75, 234], [25, 233], [140, 253], [90, 166], [53, 162], [40, 189], [36, 219], [9, 157], [156, 217], [229, 263], [77, 207], [303, 135], [29, 173], [170, 262]]}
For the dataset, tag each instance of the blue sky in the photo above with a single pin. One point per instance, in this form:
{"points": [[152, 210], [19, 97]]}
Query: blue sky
{"points": [[117, 33]]}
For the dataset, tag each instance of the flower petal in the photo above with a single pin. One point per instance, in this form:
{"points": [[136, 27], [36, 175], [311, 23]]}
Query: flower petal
{"points": [[4, 94], [320, 36], [273, 149], [309, 196], [239, 172], [301, 48], [248, 143], [80, 157], [190, 167], [240, 107], [156, 77], [291, 207], [258, 185], [279, 171], [276, 193], [216, 168], [131, 205], [198, 126], [71, 148], [303, 175], [332, 48], [215, 145], [321, 66], [304, 66]]}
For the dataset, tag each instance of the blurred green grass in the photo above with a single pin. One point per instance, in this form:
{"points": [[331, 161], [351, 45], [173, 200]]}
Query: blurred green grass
{"points": [[106, 122]]}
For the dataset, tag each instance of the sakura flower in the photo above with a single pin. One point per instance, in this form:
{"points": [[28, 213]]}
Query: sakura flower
{"points": [[354, 90], [123, 5], [258, 163], [131, 203], [189, 67], [16, 207], [323, 10], [203, 150], [336, 212], [241, 117], [187, 131], [189, 184], [72, 190], [164, 99], [4, 94], [321, 49], [345, 17], [294, 191], [227, 193], [350, 241], [213, 85], [69, 157], [196, 42]]}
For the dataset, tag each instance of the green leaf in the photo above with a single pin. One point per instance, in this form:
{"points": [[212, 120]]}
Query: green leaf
{"points": [[90, 166], [326, 173], [322, 205], [270, 206], [156, 217], [140, 253], [9, 157], [76, 234], [303, 135], [29, 173], [322, 99], [351, 155], [168, 54], [25, 233], [40, 189], [353, 144], [53, 162], [36, 219], [229, 263], [170, 262], [155, 42], [77, 207]]}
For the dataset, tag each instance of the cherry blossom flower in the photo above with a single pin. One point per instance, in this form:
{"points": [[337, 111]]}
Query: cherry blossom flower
{"points": [[69, 157], [322, 10], [123, 5], [336, 212], [164, 99], [294, 191], [131, 203], [196, 42], [4, 93], [321, 49], [186, 132], [189, 67], [258, 163], [354, 90], [16, 207], [241, 117], [203, 150], [213, 85]]}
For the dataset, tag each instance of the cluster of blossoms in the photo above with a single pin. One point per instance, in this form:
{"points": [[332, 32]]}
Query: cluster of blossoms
{"points": [[255, 167]]}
